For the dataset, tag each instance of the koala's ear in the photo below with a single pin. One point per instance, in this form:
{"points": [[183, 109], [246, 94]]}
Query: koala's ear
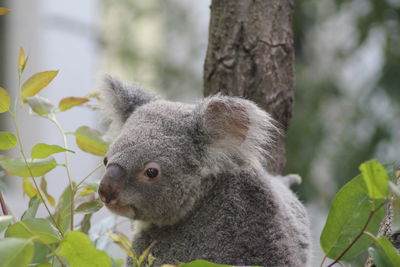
{"points": [[118, 101], [121, 100], [234, 128]]}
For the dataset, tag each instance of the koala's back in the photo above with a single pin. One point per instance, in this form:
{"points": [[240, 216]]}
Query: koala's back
{"points": [[245, 220]]}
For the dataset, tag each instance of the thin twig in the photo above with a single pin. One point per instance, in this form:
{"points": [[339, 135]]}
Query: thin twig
{"points": [[372, 213], [53, 119], [3, 205], [87, 176]]}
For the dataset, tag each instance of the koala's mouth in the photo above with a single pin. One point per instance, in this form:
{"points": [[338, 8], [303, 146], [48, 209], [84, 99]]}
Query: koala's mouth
{"points": [[122, 210]]}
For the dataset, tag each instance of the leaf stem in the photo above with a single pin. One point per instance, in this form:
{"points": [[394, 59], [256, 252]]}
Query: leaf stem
{"points": [[371, 214], [87, 176], [3, 205], [54, 120], [21, 150]]}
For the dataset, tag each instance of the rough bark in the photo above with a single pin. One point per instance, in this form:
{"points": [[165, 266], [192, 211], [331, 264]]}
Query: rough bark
{"points": [[250, 54]]}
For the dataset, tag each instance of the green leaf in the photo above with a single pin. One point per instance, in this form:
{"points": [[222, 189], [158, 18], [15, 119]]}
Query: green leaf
{"points": [[85, 223], [348, 214], [5, 221], [89, 207], [62, 214], [43, 186], [29, 189], [41, 230], [40, 105], [42, 151], [17, 167], [37, 82], [90, 140], [22, 60], [4, 100], [78, 251], [70, 102], [89, 188], [15, 252], [376, 179], [386, 255], [41, 252], [7, 140], [30, 213]]}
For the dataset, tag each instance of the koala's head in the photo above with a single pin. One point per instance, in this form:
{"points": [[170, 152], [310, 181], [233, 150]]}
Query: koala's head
{"points": [[163, 154]]}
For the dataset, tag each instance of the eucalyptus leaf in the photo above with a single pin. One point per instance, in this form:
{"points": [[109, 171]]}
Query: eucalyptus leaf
{"points": [[91, 141], [37, 82], [4, 11], [5, 221], [4, 100], [7, 140], [22, 60], [384, 254], [376, 179], [42, 151], [70, 102], [348, 214], [41, 230], [28, 188], [15, 252], [77, 249], [40, 105], [30, 213], [62, 214], [43, 186], [17, 167], [89, 207]]}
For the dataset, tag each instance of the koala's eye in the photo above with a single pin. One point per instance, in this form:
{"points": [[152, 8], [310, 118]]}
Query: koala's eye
{"points": [[105, 161], [150, 173]]}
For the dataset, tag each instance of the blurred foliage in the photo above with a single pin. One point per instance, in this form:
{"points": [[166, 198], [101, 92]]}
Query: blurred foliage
{"points": [[347, 95], [156, 43]]}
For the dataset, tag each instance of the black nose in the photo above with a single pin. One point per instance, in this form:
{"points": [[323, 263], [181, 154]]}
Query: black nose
{"points": [[112, 184]]}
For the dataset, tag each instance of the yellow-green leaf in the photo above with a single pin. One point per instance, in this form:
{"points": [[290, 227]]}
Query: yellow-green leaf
{"points": [[16, 252], [89, 188], [29, 189], [17, 167], [7, 140], [43, 186], [5, 221], [120, 242], [40, 105], [22, 60], [78, 251], [41, 230], [70, 102], [37, 82], [33, 207], [4, 100], [42, 151], [89, 207], [4, 11], [90, 140]]}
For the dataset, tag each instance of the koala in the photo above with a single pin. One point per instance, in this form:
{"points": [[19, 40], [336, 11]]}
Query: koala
{"points": [[192, 177]]}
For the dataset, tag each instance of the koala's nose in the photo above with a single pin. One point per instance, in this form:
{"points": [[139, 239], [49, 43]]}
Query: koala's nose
{"points": [[112, 184]]}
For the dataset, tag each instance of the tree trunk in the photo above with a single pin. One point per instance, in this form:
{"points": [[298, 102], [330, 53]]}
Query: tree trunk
{"points": [[250, 54]]}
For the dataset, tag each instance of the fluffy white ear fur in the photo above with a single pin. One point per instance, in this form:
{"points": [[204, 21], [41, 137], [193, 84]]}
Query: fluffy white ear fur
{"points": [[239, 133], [118, 101]]}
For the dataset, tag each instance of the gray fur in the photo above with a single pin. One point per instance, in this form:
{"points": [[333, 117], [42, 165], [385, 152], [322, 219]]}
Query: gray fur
{"points": [[214, 200]]}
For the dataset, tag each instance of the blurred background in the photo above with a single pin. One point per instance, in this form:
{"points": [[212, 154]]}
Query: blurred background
{"points": [[347, 105]]}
